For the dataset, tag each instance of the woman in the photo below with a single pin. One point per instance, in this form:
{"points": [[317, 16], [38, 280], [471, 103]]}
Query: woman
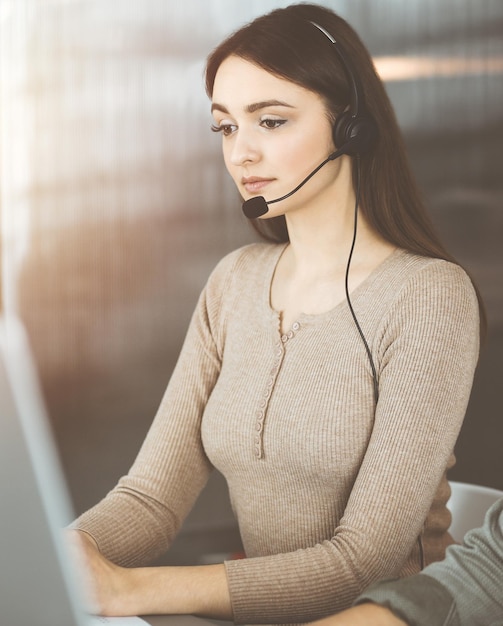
{"points": [[325, 373]]}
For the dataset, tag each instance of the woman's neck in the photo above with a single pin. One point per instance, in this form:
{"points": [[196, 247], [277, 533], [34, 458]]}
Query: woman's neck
{"points": [[321, 239], [310, 275]]}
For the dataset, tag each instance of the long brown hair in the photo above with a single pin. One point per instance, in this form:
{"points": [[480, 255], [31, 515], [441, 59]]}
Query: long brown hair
{"points": [[286, 44]]}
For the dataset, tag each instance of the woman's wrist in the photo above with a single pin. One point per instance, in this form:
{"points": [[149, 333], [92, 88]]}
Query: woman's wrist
{"points": [[198, 590]]}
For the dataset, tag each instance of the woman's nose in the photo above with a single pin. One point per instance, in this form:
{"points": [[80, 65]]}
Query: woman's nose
{"points": [[244, 149]]}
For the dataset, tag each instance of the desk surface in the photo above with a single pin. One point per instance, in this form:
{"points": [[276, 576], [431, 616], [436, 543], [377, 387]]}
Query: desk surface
{"points": [[177, 620]]}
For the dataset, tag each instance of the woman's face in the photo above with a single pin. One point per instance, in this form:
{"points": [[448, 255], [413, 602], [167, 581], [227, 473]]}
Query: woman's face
{"points": [[274, 133]]}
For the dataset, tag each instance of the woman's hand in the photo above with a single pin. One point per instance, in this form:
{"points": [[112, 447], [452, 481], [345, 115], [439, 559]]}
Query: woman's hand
{"points": [[107, 586], [112, 590]]}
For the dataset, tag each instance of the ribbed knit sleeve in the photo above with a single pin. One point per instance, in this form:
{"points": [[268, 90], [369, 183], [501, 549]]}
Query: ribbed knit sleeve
{"points": [[138, 519]]}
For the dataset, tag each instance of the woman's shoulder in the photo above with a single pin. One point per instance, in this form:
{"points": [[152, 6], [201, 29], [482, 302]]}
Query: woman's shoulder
{"points": [[427, 300], [239, 278], [428, 282], [409, 267]]}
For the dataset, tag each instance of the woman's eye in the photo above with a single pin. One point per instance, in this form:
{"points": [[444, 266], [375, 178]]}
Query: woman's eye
{"points": [[271, 123], [225, 129]]}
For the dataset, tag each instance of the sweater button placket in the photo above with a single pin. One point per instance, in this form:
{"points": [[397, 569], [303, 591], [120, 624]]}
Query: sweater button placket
{"points": [[260, 415]]}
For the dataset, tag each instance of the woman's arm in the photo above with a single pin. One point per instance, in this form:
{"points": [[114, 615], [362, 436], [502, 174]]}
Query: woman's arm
{"points": [[117, 591], [137, 521], [201, 590]]}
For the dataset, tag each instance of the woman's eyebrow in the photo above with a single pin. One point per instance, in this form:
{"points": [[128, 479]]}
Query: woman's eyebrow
{"points": [[251, 108]]}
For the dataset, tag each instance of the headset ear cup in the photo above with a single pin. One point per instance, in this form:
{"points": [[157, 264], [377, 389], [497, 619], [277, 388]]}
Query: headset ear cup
{"points": [[357, 134], [340, 127]]}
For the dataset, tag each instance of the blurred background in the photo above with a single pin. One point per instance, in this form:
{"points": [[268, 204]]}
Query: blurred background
{"points": [[115, 204]]}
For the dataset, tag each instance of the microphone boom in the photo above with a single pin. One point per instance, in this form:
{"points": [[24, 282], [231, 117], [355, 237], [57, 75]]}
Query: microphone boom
{"points": [[257, 206]]}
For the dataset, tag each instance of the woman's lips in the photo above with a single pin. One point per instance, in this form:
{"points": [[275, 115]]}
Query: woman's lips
{"points": [[254, 184]]}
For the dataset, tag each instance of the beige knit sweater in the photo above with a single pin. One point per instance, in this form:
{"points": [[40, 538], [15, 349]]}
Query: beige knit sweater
{"points": [[330, 492]]}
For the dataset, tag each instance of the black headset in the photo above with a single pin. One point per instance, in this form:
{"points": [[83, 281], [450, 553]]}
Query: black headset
{"points": [[354, 130], [354, 133]]}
